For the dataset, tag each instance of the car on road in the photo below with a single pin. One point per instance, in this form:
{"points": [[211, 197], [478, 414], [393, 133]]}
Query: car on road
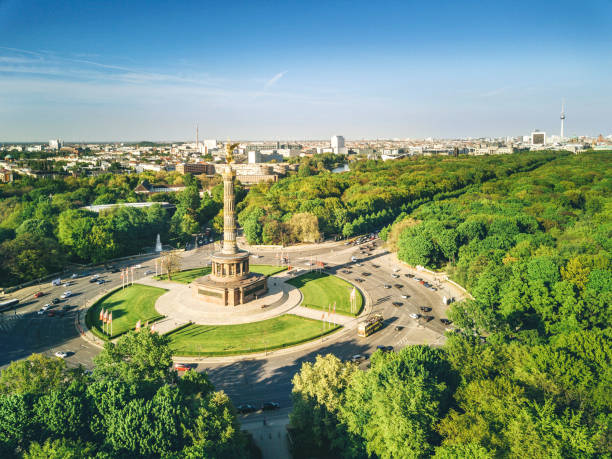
{"points": [[384, 348], [414, 315], [55, 300], [394, 276], [61, 354], [446, 321], [405, 297], [397, 304], [149, 271], [66, 294], [68, 283], [41, 312], [181, 367], [246, 408], [386, 286], [38, 294], [45, 307], [93, 279], [425, 308], [398, 328], [358, 358], [359, 280], [270, 406], [100, 281]]}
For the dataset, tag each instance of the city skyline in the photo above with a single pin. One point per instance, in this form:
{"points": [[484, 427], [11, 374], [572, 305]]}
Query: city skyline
{"points": [[140, 71]]}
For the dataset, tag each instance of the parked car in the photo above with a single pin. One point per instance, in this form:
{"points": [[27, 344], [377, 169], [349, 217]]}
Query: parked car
{"points": [[359, 280], [181, 367], [45, 307], [246, 408], [446, 321], [270, 406], [41, 312], [74, 276], [386, 286], [427, 318], [410, 276], [100, 281], [405, 297], [365, 274], [38, 294], [395, 276], [395, 270], [358, 358], [425, 308], [149, 271], [397, 304], [55, 300], [61, 354], [398, 285], [414, 315], [398, 328], [51, 314], [353, 259], [66, 294]]}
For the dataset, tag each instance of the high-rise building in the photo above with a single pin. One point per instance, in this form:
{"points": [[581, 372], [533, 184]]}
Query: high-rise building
{"points": [[337, 144], [56, 143], [562, 119], [538, 138]]}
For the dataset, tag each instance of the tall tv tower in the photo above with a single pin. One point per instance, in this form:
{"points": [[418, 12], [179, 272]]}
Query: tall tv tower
{"points": [[562, 118]]}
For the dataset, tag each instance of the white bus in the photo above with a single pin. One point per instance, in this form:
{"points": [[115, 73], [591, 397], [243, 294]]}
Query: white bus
{"points": [[8, 304]]}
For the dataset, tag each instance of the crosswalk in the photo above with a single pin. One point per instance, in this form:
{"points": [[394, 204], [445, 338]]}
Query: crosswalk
{"points": [[8, 322]]}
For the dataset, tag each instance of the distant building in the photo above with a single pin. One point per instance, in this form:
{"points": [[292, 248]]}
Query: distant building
{"points": [[147, 188], [56, 144], [6, 175], [139, 205], [253, 157], [337, 144], [210, 144], [196, 168], [538, 138]]}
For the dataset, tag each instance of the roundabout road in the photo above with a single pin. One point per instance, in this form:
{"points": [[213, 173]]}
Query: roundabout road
{"points": [[245, 379]]}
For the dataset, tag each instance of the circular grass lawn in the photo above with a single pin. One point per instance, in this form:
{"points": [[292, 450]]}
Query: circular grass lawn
{"points": [[266, 335], [189, 275], [320, 290], [129, 305]]}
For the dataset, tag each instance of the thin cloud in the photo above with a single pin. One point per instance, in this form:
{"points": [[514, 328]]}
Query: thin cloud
{"points": [[272, 81]]}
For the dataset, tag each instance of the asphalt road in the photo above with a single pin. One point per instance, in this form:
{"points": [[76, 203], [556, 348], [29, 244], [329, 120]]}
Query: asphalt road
{"points": [[247, 380]]}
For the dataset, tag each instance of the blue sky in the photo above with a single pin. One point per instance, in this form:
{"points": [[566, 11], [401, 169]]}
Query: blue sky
{"points": [[136, 70]]}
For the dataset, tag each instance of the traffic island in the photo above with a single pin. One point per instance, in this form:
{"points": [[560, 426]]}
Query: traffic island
{"points": [[128, 306], [320, 290], [266, 335]]}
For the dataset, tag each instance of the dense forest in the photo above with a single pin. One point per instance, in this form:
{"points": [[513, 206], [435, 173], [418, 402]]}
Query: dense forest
{"points": [[370, 196], [527, 372], [133, 404]]}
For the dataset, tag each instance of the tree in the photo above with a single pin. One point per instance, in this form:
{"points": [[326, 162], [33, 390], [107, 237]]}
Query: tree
{"points": [[16, 425], [412, 388], [319, 391], [137, 356], [37, 374], [171, 262], [304, 227], [59, 449]]}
